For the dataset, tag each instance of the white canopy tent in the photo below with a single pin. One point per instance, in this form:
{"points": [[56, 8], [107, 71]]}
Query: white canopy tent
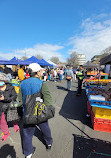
{"points": [[50, 62]]}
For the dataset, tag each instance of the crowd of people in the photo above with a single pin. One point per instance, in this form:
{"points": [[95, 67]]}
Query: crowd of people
{"points": [[32, 80]]}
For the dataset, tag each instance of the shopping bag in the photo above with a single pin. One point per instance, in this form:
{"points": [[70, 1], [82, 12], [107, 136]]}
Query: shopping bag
{"points": [[36, 111], [12, 115]]}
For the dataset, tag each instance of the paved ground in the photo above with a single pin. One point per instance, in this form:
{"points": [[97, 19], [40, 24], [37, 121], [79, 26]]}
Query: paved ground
{"points": [[71, 130]]}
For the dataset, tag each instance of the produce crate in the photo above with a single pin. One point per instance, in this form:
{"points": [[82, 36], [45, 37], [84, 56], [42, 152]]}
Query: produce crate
{"points": [[89, 108], [102, 112], [100, 104], [100, 124], [100, 81]]}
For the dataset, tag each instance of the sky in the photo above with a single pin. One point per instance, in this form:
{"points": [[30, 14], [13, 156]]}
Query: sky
{"points": [[54, 28]]}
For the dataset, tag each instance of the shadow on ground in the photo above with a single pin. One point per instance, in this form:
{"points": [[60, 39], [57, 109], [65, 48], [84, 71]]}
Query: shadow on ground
{"points": [[7, 150], [75, 107], [60, 87], [85, 147]]}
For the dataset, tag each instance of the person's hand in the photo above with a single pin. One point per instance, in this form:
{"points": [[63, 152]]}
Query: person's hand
{"points": [[17, 78], [1, 97]]}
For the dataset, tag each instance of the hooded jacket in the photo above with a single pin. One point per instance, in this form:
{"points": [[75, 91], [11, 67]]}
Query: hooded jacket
{"points": [[9, 96]]}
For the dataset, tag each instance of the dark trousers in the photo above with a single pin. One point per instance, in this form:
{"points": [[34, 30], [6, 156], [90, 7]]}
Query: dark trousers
{"points": [[79, 86], [28, 132]]}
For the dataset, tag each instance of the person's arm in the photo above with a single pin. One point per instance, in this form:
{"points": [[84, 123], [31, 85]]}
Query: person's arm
{"points": [[21, 74], [10, 97], [20, 98], [46, 94]]}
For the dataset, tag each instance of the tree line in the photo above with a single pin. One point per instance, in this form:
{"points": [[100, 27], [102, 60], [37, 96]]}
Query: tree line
{"points": [[72, 60]]}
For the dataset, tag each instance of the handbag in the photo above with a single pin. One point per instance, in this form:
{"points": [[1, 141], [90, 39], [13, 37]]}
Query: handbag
{"points": [[36, 111], [14, 103], [68, 78], [12, 113]]}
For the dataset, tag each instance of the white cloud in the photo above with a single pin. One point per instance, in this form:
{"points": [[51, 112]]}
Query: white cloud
{"points": [[7, 55], [95, 36], [101, 16], [45, 50]]}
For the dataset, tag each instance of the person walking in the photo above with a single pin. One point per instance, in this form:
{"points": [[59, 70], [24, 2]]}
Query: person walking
{"points": [[48, 74], [80, 75], [55, 75], [61, 72], [69, 77], [74, 72], [29, 87], [7, 95], [9, 73], [51, 74], [21, 73]]}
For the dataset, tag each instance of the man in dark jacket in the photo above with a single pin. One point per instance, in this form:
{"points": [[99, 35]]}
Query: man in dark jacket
{"points": [[28, 87]]}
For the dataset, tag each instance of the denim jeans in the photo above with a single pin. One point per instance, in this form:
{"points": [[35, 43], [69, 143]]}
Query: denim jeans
{"points": [[61, 77], [28, 132], [69, 84]]}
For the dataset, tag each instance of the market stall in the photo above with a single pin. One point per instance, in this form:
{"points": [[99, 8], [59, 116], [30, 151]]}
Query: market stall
{"points": [[98, 81], [94, 73], [99, 107], [97, 77]]}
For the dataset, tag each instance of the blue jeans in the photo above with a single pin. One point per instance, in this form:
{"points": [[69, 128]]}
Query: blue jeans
{"points": [[54, 79], [28, 132], [61, 77], [69, 84]]}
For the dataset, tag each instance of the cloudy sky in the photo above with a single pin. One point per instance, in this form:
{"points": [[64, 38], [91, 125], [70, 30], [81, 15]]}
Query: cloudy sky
{"points": [[54, 28]]}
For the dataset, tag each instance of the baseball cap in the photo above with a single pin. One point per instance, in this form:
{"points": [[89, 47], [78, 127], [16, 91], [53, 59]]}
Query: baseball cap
{"points": [[35, 67]]}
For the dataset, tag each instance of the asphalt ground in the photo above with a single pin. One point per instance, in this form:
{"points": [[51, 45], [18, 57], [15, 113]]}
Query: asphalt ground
{"points": [[73, 136]]}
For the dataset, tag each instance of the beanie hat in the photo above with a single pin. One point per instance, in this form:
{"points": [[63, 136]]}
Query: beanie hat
{"points": [[3, 77]]}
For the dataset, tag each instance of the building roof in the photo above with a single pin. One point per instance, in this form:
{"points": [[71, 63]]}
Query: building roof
{"points": [[96, 56], [106, 60], [89, 64]]}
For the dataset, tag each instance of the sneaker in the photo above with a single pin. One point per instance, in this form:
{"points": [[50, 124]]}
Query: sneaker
{"points": [[16, 128], [5, 136], [30, 156], [48, 147], [87, 115]]}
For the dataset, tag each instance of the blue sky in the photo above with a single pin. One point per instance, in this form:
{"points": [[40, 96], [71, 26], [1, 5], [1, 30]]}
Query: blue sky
{"points": [[54, 27]]}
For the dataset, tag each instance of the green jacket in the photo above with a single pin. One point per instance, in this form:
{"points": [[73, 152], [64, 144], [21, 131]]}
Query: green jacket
{"points": [[80, 75], [45, 92]]}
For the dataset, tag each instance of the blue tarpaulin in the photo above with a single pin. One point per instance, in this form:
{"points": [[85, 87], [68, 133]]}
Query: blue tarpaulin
{"points": [[46, 63], [14, 61], [33, 59]]}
